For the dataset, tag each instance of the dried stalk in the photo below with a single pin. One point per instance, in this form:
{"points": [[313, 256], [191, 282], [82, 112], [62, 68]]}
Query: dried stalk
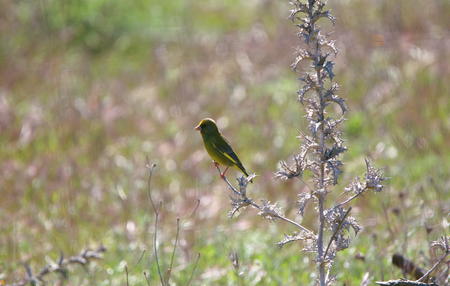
{"points": [[164, 280], [319, 150]]}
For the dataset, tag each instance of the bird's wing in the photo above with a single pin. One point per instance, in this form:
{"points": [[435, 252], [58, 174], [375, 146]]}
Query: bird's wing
{"points": [[222, 145]]}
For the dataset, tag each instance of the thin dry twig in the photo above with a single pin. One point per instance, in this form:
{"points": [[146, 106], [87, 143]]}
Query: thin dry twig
{"points": [[193, 270], [197, 204], [140, 257], [150, 167], [155, 247], [147, 278], [169, 270], [350, 199], [164, 280]]}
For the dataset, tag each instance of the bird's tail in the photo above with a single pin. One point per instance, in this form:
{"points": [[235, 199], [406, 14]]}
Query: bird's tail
{"points": [[241, 167]]}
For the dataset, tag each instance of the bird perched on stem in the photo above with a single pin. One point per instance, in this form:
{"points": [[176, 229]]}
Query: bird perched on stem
{"points": [[218, 147]]}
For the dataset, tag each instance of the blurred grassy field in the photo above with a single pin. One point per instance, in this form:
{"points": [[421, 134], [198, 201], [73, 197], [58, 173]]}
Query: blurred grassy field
{"points": [[89, 88]]}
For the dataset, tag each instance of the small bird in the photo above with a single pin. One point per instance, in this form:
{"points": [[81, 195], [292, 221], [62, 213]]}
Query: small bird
{"points": [[218, 147]]}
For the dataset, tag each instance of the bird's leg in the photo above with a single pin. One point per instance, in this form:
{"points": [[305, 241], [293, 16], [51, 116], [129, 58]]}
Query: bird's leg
{"points": [[217, 166], [223, 174]]}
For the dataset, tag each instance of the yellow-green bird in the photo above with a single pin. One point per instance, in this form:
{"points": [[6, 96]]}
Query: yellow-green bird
{"points": [[218, 147]]}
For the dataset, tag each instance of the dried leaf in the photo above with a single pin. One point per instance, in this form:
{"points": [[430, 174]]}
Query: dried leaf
{"points": [[301, 54], [302, 92], [335, 167], [374, 178], [303, 199], [329, 69], [269, 211], [334, 151], [298, 236]]}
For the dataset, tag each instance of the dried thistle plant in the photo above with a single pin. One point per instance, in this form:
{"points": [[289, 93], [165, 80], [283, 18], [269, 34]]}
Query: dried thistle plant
{"points": [[320, 149]]}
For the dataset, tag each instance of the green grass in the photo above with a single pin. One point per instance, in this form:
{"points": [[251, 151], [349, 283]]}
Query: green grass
{"points": [[89, 89]]}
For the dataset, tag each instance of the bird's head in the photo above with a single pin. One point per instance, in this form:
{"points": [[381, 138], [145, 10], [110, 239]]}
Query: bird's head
{"points": [[207, 125]]}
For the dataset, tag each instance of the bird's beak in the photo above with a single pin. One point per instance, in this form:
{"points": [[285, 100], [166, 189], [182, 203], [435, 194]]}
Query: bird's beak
{"points": [[198, 127]]}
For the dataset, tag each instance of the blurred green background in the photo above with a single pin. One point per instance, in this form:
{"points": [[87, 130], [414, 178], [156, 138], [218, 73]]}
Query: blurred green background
{"points": [[90, 88]]}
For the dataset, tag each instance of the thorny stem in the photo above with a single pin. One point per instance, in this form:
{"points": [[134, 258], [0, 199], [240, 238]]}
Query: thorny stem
{"points": [[320, 257], [350, 199], [321, 195], [336, 231], [255, 205], [324, 142]]}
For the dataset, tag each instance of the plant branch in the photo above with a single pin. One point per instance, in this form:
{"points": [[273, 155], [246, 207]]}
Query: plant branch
{"points": [[169, 270], [433, 267], [230, 186], [155, 241], [336, 232], [247, 201], [150, 168], [350, 198], [193, 270], [83, 259], [147, 278]]}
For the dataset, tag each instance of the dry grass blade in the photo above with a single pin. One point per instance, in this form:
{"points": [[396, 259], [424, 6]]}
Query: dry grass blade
{"points": [[147, 278], [169, 270], [155, 246], [193, 270], [126, 273]]}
